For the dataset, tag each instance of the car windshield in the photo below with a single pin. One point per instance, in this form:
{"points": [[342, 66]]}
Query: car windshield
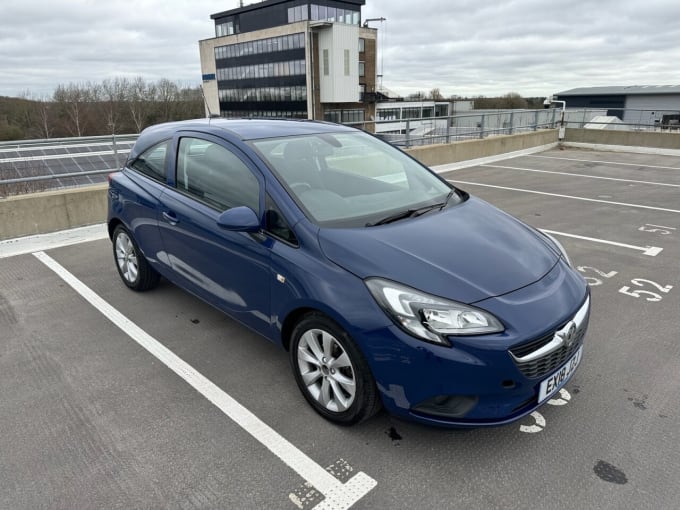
{"points": [[352, 179]]}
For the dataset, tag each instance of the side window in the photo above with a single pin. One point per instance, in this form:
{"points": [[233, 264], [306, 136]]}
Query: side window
{"points": [[152, 161], [277, 224], [215, 175]]}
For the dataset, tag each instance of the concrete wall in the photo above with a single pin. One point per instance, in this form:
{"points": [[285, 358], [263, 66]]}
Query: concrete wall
{"points": [[659, 140], [39, 213], [441, 154]]}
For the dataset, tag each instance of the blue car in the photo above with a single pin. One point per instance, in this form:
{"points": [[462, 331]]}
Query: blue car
{"points": [[387, 285]]}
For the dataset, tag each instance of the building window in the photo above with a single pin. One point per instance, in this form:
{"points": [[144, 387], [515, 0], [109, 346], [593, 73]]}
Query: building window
{"points": [[326, 63], [344, 116], [389, 114], [224, 29], [362, 44], [362, 69], [346, 62], [324, 13], [298, 13], [271, 45]]}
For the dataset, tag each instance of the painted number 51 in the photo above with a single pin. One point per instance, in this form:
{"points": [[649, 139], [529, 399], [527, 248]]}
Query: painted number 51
{"points": [[640, 282]]}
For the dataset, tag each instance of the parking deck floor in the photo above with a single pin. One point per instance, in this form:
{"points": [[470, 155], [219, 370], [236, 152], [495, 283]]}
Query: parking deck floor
{"points": [[161, 409]]}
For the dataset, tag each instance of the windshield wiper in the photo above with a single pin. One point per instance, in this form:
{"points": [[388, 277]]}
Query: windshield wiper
{"points": [[448, 197], [408, 213]]}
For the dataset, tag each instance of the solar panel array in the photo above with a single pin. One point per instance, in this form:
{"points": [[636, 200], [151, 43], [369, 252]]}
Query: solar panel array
{"points": [[67, 163]]}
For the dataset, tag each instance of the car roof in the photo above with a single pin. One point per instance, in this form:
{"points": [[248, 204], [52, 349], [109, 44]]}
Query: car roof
{"points": [[244, 129]]}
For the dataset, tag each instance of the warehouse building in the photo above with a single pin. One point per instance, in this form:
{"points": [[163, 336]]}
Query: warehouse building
{"points": [[647, 104], [291, 58]]}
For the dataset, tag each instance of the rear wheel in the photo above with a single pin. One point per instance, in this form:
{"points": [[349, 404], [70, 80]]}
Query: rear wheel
{"points": [[331, 372], [132, 267]]}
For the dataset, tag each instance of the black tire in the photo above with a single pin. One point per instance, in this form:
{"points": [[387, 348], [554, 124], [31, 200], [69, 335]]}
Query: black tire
{"points": [[133, 268], [323, 372]]}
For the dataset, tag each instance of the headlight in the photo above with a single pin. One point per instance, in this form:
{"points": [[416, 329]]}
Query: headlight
{"points": [[559, 246], [428, 317]]}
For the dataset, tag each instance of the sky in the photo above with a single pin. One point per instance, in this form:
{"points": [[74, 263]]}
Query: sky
{"points": [[462, 47]]}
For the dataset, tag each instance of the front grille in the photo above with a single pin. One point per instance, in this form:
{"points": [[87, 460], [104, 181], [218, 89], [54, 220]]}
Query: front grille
{"points": [[522, 350], [551, 361]]}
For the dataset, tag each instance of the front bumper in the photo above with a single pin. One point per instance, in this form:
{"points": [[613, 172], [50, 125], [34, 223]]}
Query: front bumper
{"points": [[485, 380]]}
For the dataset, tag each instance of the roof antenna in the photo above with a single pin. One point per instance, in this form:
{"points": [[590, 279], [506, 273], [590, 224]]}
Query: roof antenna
{"points": [[207, 107]]}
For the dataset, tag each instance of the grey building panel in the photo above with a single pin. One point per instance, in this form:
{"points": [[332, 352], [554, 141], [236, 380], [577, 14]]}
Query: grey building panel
{"points": [[626, 90]]}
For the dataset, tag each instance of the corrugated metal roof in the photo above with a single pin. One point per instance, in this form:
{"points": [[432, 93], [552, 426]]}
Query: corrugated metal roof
{"points": [[622, 90]]}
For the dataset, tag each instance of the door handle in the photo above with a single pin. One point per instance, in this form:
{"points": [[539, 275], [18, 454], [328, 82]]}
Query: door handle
{"points": [[170, 217]]}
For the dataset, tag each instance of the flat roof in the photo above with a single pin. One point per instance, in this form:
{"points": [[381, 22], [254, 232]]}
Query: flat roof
{"points": [[622, 90], [268, 3]]}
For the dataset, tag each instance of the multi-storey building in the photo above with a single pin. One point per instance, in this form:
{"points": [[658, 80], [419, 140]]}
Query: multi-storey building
{"points": [[291, 58]]}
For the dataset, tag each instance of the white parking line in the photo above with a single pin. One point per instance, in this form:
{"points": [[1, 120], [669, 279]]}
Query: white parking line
{"points": [[585, 176], [651, 251], [337, 495], [605, 162], [39, 242], [624, 204]]}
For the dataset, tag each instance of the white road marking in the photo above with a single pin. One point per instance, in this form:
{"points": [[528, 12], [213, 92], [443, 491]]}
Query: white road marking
{"points": [[538, 427], [40, 242], [624, 204], [605, 162], [337, 495], [582, 175], [564, 398], [651, 251], [459, 165]]}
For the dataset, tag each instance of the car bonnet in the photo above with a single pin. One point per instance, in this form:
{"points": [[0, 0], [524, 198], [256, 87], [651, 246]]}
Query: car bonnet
{"points": [[468, 252]]}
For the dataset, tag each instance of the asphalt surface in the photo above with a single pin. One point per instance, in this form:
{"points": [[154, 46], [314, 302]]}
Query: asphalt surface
{"points": [[90, 419]]}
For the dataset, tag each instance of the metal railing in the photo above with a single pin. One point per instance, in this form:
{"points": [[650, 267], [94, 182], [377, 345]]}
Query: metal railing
{"points": [[36, 165], [405, 133], [470, 125]]}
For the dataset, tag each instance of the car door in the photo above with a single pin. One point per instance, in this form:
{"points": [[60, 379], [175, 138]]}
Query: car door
{"points": [[230, 270], [137, 202]]}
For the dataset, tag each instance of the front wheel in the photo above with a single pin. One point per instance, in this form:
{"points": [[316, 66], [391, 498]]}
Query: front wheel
{"points": [[132, 267], [331, 372]]}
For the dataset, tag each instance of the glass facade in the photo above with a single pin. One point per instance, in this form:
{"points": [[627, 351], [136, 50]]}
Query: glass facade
{"points": [[224, 29], [267, 70], [263, 78], [315, 12], [264, 94], [270, 45], [344, 116], [290, 114]]}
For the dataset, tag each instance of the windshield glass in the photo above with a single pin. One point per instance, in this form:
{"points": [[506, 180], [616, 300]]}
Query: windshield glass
{"points": [[353, 179]]}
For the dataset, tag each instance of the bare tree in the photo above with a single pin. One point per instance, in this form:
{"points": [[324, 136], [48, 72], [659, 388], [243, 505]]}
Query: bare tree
{"points": [[166, 94], [436, 95], [114, 94], [44, 121], [71, 100], [140, 101]]}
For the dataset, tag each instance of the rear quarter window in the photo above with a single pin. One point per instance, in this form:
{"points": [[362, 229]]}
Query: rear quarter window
{"points": [[152, 161]]}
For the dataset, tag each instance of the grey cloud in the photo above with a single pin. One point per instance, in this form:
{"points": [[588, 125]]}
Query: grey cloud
{"points": [[463, 47]]}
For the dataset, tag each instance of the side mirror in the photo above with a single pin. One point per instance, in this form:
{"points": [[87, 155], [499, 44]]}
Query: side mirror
{"points": [[239, 219]]}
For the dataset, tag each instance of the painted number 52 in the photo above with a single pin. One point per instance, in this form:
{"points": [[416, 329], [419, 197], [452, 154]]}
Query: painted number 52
{"points": [[640, 282]]}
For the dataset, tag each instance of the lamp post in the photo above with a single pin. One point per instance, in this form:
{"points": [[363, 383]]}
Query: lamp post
{"points": [[548, 101]]}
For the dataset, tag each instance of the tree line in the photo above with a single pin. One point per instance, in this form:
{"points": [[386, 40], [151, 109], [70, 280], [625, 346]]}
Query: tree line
{"points": [[118, 105], [509, 101]]}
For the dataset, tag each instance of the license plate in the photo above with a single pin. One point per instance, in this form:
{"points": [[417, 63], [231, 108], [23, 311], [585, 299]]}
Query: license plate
{"points": [[560, 377]]}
